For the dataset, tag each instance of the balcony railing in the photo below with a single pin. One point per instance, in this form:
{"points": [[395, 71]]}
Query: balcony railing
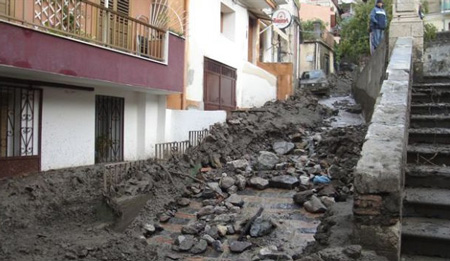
{"points": [[323, 36], [89, 22]]}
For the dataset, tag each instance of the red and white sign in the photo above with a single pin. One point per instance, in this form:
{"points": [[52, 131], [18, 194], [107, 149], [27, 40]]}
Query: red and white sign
{"points": [[281, 18]]}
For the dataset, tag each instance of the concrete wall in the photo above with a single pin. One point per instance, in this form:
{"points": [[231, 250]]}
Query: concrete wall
{"points": [[313, 12], [68, 125], [206, 40], [437, 56], [379, 174], [366, 87], [180, 122]]}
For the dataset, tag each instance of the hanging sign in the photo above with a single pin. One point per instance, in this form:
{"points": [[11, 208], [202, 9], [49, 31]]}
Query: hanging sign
{"points": [[281, 18]]}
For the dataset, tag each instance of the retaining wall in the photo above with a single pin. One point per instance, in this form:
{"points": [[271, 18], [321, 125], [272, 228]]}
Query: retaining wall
{"points": [[437, 56], [379, 175]]}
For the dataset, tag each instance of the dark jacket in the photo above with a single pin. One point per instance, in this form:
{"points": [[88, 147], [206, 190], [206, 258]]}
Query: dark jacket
{"points": [[378, 18]]}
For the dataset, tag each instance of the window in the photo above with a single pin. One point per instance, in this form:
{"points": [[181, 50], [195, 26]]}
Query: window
{"points": [[445, 6], [19, 122], [227, 22]]}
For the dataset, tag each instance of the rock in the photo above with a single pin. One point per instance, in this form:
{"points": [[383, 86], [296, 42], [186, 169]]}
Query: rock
{"points": [[220, 210], [291, 171], [239, 246], [226, 182], [283, 147], [208, 238], [304, 180], [281, 166], [235, 210], [70, 255], [149, 228], [217, 245], [321, 179], [301, 197], [267, 160], [208, 194], [215, 161], [317, 137], [232, 190], [230, 230], [284, 182], [241, 164], [200, 247], [353, 251], [241, 181], [185, 243], [297, 137], [208, 202], [270, 253], [208, 210], [314, 205], [213, 232], [173, 256], [215, 186], [261, 227], [164, 218], [222, 230], [193, 228], [259, 183], [327, 201], [224, 218], [183, 202], [236, 200], [328, 191]]}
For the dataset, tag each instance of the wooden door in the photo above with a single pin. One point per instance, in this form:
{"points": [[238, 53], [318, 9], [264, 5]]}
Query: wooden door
{"points": [[219, 86]]}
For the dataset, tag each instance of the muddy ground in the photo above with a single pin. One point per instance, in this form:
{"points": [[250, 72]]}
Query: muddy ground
{"points": [[64, 214]]}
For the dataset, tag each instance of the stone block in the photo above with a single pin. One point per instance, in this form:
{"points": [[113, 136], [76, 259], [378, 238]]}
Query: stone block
{"points": [[382, 132], [389, 114], [367, 205]]}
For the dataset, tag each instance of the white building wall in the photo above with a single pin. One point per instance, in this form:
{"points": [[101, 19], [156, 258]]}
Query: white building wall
{"points": [[180, 122], [206, 40], [256, 87], [68, 125]]}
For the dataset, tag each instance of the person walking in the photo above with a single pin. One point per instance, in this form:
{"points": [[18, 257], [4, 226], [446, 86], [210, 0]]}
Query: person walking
{"points": [[378, 23]]}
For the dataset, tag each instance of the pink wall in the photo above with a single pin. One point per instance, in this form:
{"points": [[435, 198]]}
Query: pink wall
{"points": [[26, 48], [312, 12]]}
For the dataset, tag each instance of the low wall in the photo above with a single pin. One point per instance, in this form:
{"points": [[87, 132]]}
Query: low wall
{"points": [[437, 56], [379, 174], [366, 87], [180, 122]]}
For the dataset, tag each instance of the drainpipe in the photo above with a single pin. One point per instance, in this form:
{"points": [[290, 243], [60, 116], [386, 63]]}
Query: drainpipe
{"points": [[186, 55]]}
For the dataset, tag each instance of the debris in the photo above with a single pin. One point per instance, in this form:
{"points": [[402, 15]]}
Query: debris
{"points": [[235, 200], [301, 197], [321, 180], [284, 182], [259, 183], [261, 227], [241, 164], [239, 246], [200, 247], [248, 225], [283, 147], [267, 160], [314, 205]]}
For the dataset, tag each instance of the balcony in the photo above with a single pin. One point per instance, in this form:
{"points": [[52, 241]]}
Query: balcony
{"points": [[88, 22]]}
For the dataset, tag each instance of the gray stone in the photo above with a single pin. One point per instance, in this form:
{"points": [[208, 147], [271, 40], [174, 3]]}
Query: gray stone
{"points": [[327, 201], [232, 190], [284, 182], [215, 186], [301, 197], [283, 147], [208, 210], [353, 251], [281, 166], [200, 247], [213, 232], [185, 243], [259, 183], [261, 227], [208, 202], [241, 181], [236, 200], [267, 160], [164, 218], [149, 228], [239, 246], [271, 253], [225, 218], [193, 228], [230, 230], [304, 180], [183, 202], [314, 205], [291, 171], [226, 182], [220, 210], [235, 210], [328, 191], [217, 245], [241, 164], [208, 238]]}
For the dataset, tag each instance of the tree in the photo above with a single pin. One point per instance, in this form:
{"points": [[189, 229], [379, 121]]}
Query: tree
{"points": [[308, 28], [354, 43]]}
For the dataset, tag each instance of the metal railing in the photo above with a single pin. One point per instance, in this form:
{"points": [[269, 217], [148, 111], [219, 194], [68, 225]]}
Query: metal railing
{"points": [[90, 22], [196, 137], [115, 173], [164, 151]]}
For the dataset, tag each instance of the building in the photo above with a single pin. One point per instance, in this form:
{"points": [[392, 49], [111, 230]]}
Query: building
{"points": [[85, 82], [232, 57], [318, 45], [439, 14]]}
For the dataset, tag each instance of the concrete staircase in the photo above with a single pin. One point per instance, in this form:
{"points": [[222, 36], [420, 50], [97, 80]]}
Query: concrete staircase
{"points": [[426, 204]]}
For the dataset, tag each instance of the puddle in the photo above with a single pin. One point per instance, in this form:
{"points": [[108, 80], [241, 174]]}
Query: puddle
{"points": [[344, 118]]}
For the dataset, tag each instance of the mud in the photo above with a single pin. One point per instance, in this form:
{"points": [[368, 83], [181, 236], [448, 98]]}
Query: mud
{"points": [[64, 214]]}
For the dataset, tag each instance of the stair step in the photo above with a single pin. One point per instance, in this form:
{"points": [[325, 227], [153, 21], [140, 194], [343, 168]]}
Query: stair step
{"points": [[429, 154], [421, 258], [426, 236], [430, 121], [435, 86], [429, 135], [430, 108], [426, 202], [429, 95], [427, 176]]}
